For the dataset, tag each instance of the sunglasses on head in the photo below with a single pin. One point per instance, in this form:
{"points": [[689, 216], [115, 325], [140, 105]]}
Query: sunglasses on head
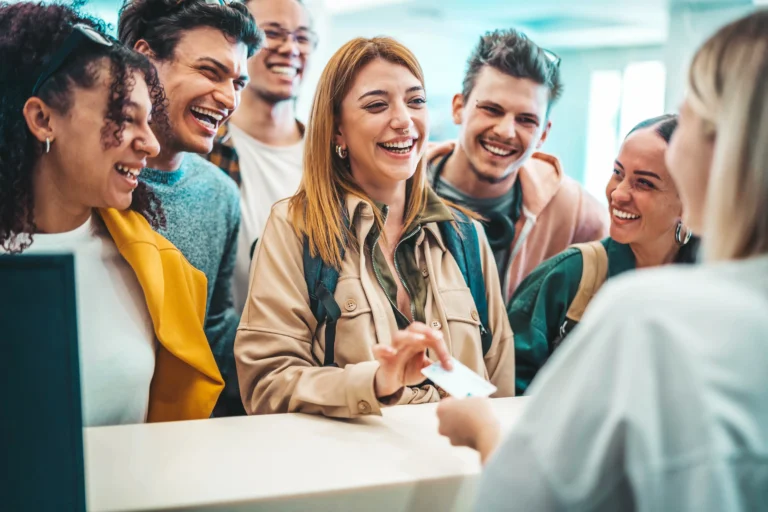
{"points": [[552, 56], [81, 35]]}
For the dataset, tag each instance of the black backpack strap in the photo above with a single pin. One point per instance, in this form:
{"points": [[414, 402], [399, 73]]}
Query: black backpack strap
{"points": [[321, 282], [463, 243]]}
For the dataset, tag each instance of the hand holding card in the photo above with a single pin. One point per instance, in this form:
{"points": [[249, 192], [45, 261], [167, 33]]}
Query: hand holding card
{"points": [[460, 382]]}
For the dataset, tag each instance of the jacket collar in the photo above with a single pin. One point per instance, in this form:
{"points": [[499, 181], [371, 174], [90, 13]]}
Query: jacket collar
{"points": [[435, 210], [141, 247], [540, 179]]}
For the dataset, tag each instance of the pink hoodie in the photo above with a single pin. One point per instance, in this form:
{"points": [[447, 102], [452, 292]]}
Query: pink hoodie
{"points": [[557, 212]]}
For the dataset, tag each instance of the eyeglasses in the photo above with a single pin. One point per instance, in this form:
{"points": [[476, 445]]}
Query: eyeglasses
{"points": [[553, 57], [276, 36], [81, 34]]}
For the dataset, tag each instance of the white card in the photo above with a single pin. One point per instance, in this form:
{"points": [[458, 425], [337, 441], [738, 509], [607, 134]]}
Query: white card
{"points": [[461, 382]]}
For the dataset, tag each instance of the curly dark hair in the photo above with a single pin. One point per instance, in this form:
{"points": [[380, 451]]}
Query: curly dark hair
{"points": [[161, 23], [29, 35], [512, 53]]}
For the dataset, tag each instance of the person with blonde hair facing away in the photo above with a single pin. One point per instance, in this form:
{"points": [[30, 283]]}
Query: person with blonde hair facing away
{"points": [[659, 400], [366, 276]]}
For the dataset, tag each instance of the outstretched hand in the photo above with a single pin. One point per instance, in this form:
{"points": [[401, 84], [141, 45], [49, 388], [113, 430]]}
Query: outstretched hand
{"points": [[401, 363]]}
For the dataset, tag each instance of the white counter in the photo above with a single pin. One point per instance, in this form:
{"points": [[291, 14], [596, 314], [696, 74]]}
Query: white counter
{"points": [[294, 462]]}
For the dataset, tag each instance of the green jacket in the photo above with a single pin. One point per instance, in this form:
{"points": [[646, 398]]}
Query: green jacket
{"points": [[538, 307]]}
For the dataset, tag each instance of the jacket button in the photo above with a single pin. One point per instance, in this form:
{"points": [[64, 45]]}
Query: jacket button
{"points": [[425, 272], [474, 315], [436, 325], [363, 407], [350, 305]]}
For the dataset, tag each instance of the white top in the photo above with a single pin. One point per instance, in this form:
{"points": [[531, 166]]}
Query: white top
{"points": [[268, 174], [658, 401], [285, 462], [116, 335]]}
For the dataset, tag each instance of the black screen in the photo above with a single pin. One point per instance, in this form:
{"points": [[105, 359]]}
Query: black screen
{"points": [[41, 439]]}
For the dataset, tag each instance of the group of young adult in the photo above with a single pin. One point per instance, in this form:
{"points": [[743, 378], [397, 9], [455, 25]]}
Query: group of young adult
{"points": [[381, 254]]}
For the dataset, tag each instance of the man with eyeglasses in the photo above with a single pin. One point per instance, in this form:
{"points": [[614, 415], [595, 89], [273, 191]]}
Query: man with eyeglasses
{"points": [[261, 147], [200, 49], [532, 210]]}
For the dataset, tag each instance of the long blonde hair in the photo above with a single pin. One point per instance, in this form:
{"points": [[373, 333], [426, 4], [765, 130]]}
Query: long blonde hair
{"points": [[728, 84], [317, 208]]}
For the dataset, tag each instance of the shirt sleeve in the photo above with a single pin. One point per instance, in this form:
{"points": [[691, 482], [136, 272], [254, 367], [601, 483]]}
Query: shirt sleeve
{"points": [[537, 310], [222, 319]]}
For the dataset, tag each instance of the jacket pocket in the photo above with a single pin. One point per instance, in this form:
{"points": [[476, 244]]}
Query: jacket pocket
{"points": [[354, 329], [463, 328], [460, 307]]}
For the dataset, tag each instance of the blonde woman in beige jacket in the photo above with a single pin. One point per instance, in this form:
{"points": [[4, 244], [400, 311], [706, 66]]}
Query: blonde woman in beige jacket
{"points": [[364, 207]]}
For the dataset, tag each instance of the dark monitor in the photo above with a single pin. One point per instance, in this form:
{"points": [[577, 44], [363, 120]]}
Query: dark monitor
{"points": [[41, 435]]}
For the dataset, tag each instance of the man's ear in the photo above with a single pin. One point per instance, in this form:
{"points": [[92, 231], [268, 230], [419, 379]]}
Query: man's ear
{"points": [[544, 134], [37, 114], [458, 108]]}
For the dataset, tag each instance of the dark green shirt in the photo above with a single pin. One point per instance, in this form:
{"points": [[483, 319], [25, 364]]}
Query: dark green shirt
{"points": [[538, 307], [409, 273]]}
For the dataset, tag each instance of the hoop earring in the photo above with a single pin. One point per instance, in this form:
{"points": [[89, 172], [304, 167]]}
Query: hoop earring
{"points": [[341, 152], [679, 237], [47, 145]]}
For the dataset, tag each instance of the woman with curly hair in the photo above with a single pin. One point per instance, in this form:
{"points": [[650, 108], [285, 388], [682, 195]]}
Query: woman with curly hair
{"points": [[75, 114]]}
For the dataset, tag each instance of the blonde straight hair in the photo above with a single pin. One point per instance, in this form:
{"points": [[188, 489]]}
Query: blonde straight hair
{"points": [[317, 208], [728, 84]]}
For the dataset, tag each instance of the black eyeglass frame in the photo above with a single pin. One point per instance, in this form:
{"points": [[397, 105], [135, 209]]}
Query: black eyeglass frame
{"points": [[81, 34]]}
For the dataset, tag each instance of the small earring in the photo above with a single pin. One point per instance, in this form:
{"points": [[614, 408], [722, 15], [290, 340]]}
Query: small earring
{"points": [[47, 145], [341, 152], [679, 237]]}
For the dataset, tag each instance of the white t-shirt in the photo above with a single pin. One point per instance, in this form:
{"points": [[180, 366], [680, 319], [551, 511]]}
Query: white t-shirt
{"points": [[268, 174], [658, 401], [116, 336]]}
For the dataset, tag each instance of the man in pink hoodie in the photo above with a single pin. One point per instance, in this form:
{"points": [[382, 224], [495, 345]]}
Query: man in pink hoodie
{"points": [[532, 209]]}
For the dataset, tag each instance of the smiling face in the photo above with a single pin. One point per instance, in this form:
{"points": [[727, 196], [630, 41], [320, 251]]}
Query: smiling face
{"points": [[642, 198], [383, 124], [97, 170], [503, 122], [203, 82], [278, 69]]}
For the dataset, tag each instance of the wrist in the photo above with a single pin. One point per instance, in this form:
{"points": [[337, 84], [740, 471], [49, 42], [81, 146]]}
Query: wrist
{"points": [[383, 389], [488, 437]]}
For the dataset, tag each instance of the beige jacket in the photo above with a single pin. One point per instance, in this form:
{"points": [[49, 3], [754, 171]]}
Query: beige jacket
{"points": [[279, 352]]}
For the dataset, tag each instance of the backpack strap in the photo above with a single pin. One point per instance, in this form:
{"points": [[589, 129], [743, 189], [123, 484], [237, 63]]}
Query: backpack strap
{"points": [[593, 275], [460, 237], [321, 282]]}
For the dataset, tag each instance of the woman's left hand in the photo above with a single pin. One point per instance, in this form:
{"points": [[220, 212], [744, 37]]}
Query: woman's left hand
{"points": [[469, 422]]}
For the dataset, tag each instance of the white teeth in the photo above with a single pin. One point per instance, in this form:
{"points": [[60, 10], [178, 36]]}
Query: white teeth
{"points": [[211, 113], [405, 144], [495, 150], [127, 170], [284, 70], [624, 215]]}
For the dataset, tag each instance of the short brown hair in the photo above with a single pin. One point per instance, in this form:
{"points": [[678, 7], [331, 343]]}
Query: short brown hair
{"points": [[511, 52]]}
